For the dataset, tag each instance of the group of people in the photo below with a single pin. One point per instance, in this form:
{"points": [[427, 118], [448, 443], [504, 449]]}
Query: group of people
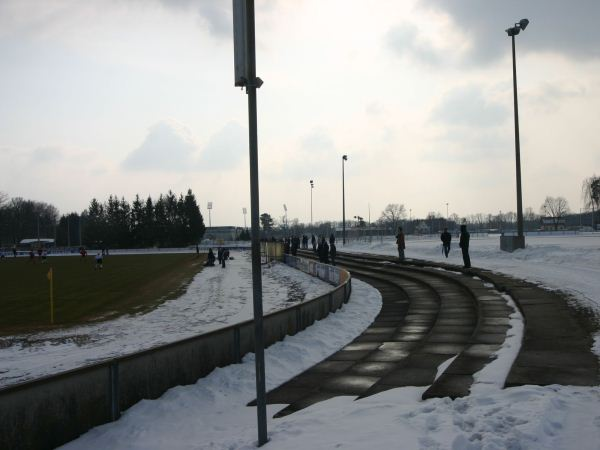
{"points": [[446, 239], [325, 251], [222, 256]]}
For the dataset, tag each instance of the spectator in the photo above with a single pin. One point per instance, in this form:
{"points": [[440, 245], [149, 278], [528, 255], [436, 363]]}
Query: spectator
{"points": [[210, 259], [332, 253], [400, 243], [446, 239], [464, 245], [323, 251], [313, 241]]}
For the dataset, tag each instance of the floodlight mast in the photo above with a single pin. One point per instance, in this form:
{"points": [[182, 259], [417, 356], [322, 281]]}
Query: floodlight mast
{"points": [[512, 32]]}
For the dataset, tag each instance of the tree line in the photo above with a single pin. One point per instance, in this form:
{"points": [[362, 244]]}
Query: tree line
{"points": [[169, 221]]}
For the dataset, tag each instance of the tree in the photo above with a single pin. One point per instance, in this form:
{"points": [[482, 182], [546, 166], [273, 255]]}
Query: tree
{"points": [[590, 191], [392, 215], [266, 222], [555, 208]]}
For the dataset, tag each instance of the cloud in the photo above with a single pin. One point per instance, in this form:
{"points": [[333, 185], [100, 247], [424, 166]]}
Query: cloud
{"points": [[225, 149], [215, 14], [46, 154], [406, 40], [551, 94], [558, 26], [318, 140], [466, 106], [167, 147], [459, 145]]}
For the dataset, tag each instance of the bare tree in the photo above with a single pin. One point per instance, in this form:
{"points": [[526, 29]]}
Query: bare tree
{"points": [[3, 198], [392, 215], [590, 191], [555, 208]]}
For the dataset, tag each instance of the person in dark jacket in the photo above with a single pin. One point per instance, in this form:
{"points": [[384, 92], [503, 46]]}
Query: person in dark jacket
{"points": [[323, 251], [295, 245], [446, 239], [332, 253], [464, 245], [313, 241], [210, 259], [332, 239], [400, 243]]}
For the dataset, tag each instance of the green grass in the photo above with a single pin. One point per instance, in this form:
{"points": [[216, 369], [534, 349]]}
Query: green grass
{"points": [[128, 283]]}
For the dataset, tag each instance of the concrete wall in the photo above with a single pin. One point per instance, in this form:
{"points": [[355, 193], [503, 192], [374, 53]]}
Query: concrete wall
{"points": [[53, 410]]}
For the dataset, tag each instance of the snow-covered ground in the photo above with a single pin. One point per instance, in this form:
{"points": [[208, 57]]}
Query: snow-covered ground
{"points": [[212, 414], [215, 298]]}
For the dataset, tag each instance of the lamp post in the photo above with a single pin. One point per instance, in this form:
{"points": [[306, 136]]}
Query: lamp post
{"points": [[344, 158], [209, 207], [244, 213], [245, 76], [447, 216], [312, 185], [286, 219], [512, 32]]}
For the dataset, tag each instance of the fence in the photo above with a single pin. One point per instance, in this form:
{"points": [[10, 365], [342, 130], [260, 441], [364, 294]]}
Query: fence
{"points": [[50, 411]]}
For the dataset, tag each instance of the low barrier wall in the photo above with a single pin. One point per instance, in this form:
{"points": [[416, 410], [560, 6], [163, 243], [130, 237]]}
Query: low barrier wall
{"points": [[50, 411]]}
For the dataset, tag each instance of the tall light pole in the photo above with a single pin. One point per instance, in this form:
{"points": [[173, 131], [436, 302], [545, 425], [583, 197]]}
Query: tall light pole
{"points": [[344, 158], [244, 213], [512, 32], [447, 216], [245, 76], [209, 207], [286, 219], [312, 185]]}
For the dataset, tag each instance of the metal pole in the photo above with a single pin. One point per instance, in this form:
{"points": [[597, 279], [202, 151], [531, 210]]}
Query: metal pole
{"points": [[517, 146], [343, 205], [261, 409], [209, 221], [311, 215]]}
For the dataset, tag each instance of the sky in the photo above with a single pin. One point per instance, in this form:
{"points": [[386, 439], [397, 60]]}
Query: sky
{"points": [[137, 97]]}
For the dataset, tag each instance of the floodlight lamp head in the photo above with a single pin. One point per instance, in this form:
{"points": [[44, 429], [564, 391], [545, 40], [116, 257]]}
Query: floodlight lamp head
{"points": [[345, 157], [523, 23], [513, 31]]}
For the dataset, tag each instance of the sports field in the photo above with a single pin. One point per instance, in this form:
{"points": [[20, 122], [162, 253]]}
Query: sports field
{"points": [[126, 284]]}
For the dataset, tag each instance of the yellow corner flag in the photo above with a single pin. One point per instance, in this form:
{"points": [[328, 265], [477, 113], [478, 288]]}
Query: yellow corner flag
{"points": [[49, 276]]}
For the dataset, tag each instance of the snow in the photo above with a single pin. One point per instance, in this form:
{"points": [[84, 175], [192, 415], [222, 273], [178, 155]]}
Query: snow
{"points": [[212, 413], [215, 298]]}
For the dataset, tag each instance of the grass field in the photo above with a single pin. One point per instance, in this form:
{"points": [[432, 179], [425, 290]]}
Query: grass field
{"points": [[128, 283]]}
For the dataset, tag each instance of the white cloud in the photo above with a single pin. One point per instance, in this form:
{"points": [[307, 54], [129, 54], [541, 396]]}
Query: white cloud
{"points": [[467, 106], [225, 149], [167, 147]]}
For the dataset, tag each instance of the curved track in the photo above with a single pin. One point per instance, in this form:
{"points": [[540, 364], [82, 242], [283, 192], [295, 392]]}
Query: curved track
{"points": [[428, 316]]}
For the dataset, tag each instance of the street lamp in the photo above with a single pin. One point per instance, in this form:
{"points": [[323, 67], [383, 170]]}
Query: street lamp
{"points": [[447, 216], [209, 207], [244, 213], [312, 185], [286, 219], [344, 158], [512, 32]]}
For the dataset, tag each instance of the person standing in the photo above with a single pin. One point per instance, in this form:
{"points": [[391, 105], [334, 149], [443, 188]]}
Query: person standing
{"points": [[14, 250], [98, 265], [323, 251], [446, 239], [313, 241], [464, 245], [332, 253], [400, 243]]}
